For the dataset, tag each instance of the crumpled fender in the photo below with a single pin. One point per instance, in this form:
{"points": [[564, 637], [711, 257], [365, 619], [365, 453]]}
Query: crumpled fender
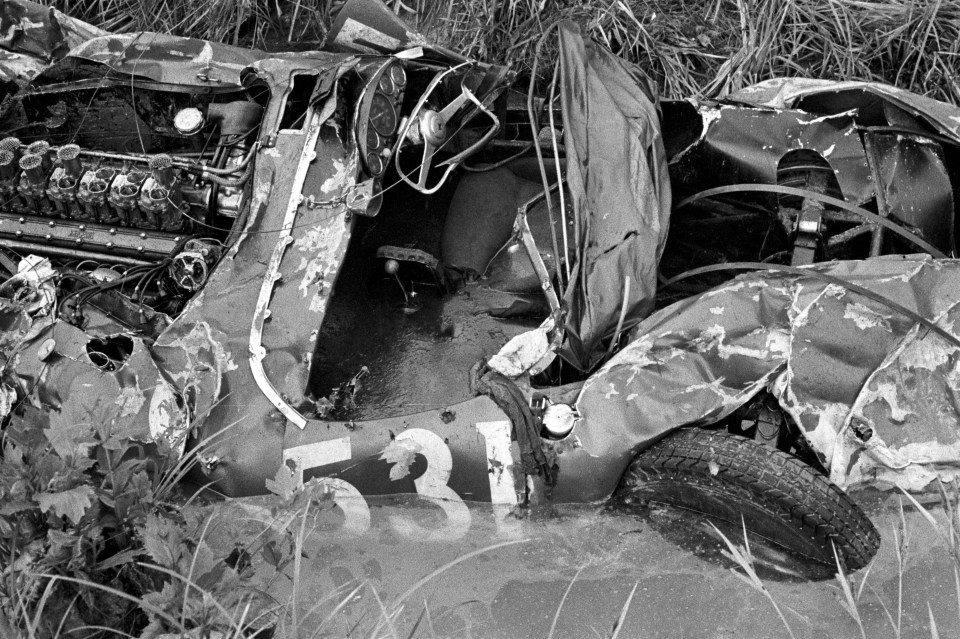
{"points": [[134, 402], [874, 393]]}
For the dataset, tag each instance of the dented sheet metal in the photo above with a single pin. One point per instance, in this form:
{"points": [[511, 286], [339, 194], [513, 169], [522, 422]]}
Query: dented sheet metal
{"points": [[182, 286], [618, 180], [875, 395], [169, 59], [41, 31], [738, 145], [69, 383], [874, 145], [834, 97], [71, 378], [34, 36]]}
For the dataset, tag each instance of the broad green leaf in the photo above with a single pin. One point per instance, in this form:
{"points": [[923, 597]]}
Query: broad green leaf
{"points": [[163, 541], [70, 503], [284, 483], [70, 438]]}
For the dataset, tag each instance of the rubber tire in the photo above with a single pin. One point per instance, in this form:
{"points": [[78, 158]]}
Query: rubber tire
{"points": [[778, 497]]}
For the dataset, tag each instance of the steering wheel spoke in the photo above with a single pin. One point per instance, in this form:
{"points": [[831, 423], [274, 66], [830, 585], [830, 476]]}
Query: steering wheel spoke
{"points": [[431, 128], [447, 112], [425, 164]]}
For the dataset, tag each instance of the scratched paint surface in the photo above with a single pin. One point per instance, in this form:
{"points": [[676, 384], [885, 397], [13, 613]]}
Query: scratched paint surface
{"points": [[874, 395]]}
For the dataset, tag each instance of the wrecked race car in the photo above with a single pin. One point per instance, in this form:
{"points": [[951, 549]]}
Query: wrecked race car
{"points": [[169, 185], [230, 255]]}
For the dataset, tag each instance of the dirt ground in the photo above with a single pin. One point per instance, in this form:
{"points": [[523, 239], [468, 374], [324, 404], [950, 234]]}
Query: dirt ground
{"points": [[684, 586]]}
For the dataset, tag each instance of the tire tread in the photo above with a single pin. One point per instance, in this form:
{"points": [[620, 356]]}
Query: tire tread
{"points": [[776, 481]]}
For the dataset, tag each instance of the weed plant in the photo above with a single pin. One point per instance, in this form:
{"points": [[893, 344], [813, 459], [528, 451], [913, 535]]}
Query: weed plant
{"points": [[693, 48], [851, 594]]}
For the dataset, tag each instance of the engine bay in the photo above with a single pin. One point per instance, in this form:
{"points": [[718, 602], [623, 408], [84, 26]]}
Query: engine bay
{"points": [[125, 184]]}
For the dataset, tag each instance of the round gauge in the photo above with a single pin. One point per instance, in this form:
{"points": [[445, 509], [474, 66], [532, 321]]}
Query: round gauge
{"points": [[374, 163], [383, 117], [373, 139], [386, 84], [398, 75]]}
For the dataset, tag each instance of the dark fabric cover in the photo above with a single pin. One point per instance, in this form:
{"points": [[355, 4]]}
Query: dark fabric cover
{"points": [[620, 191]]}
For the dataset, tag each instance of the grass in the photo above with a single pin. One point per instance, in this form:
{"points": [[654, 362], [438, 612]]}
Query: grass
{"points": [[850, 594], [699, 48], [196, 607], [203, 609], [743, 558]]}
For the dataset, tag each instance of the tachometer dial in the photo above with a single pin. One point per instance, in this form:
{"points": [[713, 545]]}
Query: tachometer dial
{"points": [[398, 75], [386, 84], [374, 163], [373, 139], [383, 117]]}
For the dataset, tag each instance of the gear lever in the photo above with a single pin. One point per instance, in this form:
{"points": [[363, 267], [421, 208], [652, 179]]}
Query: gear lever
{"points": [[392, 266]]}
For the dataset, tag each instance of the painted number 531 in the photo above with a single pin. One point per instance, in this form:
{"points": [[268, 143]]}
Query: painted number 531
{"points": [[431, 485]]}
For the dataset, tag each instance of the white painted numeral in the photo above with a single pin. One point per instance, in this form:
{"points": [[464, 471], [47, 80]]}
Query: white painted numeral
{"points": [[356, 513], [503, 491], [432, 485]]}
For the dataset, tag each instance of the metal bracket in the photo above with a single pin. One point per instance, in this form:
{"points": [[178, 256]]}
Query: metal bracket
{"points": [[272, 276]]}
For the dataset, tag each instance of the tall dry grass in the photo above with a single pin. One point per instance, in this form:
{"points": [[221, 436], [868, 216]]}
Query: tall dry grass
{"points": [[702, 48]]}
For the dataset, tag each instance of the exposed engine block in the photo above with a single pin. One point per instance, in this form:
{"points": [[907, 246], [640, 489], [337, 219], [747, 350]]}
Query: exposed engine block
{"points": [[65, 198], [82, 203], [121, 172]]}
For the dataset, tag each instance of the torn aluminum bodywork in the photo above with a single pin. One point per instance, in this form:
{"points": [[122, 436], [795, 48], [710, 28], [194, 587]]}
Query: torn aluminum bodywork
{"points": [[883, 148], [67, 379], [179, 376], [208, 343], [873, 392], [34, 36]]}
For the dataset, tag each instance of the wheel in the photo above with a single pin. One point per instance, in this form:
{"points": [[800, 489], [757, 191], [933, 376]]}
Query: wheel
{"points": [[777, 496], [429, 127]]}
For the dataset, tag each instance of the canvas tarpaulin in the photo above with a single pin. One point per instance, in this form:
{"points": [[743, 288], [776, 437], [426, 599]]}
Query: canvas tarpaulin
{"points": [[620, 191]]}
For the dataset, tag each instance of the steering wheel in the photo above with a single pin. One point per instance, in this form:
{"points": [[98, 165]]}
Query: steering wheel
{"points": [[429, 127]]}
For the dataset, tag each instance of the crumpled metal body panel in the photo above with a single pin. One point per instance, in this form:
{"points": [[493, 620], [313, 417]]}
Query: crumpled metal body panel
{"points": [[188, 61], [874, 396], [198, 375], [620, 187], [915, 184], [741, 145], [169, 59], [34, 35], [246, 427], [362, 463], [881, 143], [786, 93], [67, 377], [235, 360], [134, 402]]}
